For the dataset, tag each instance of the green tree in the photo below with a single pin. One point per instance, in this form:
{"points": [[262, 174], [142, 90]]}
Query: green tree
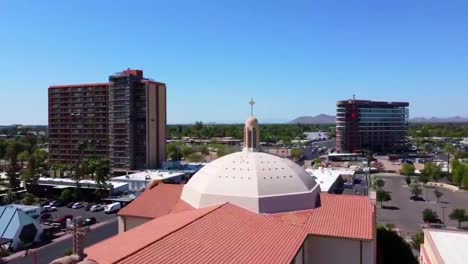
{"points": [[455, 163], [66, 196], [438, 194], [432, 171], [3, 147], [464, 183], [416, 240], [408, 180], [458, 215], [383, 196], [429, 216], [204, 150], [408, 169], [195, 157], [187, 151], [222, 150], [28, 199], [12, 151], [458, 174], [389, 242], [416, 191], [102, 172], [317, 162], [13, 174], [174, 151], [297, 153], [379, 183], [9, 197], [23, 156]]}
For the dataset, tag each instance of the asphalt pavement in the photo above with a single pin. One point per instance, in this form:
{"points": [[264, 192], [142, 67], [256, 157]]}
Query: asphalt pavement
{"points": [[100, 215], [311, 153], [407, 214], [48, 253]]}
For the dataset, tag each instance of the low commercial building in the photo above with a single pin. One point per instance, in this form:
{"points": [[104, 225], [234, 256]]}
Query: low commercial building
{"points": [[444, 247], [331, 180], [19, 226], [140, 180], [345, 157], [64, 183]]}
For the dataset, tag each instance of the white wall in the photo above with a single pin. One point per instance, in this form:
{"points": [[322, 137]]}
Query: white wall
{"points": [[326, 250], [127, 222]]}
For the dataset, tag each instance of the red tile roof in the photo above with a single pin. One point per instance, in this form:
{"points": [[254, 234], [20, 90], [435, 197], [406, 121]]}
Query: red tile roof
{"points": [[343, 216], [156, 202], [229, 234], [125, 244]]}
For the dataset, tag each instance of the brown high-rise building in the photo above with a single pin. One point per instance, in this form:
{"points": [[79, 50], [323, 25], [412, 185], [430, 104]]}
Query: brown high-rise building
{"points": [[363, 125], [124, 120]]}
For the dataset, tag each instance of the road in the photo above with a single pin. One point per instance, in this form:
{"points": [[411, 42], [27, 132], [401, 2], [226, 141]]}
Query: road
{"points": [[53, 251], [310, 154]]}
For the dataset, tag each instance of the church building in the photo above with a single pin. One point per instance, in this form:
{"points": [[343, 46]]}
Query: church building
{"points": [[246, 207]]}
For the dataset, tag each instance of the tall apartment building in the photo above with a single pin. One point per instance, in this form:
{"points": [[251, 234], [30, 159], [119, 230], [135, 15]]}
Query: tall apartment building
{"points": [[371, 125], [78, 115], [137, 121], [124, 120]]}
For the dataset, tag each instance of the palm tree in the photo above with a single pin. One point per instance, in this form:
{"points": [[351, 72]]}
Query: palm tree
{"points": [[102, 172]]}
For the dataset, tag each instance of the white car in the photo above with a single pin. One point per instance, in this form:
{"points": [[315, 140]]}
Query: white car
{"points": [[112, 208], [49, 208], [77, 205], [96, 208]]}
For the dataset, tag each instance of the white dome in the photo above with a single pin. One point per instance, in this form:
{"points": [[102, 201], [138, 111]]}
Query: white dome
{"points": [[257, 181]]}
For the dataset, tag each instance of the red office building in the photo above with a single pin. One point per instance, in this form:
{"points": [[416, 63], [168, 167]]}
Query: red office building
{"points": [[363, 125]]}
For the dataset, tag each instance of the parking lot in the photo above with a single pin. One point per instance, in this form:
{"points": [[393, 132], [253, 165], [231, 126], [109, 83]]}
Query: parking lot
{"points": [[406, 214], [100, 216]]}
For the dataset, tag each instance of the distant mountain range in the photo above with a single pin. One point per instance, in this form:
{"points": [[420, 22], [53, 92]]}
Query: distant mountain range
{"points": [[329, 119], [318, 119], [454, 119]]}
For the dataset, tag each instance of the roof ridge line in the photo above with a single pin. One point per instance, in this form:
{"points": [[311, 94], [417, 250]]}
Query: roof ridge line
{"points": [[173, 231]]}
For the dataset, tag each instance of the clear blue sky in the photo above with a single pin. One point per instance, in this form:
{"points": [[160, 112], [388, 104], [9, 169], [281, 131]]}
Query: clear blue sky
{"points": [[293, 57]]}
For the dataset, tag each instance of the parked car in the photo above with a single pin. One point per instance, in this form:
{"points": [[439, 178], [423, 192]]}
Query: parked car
{"points": [[417, 198], [88, 206], [70, 204], [42, 204], [77, 206], [56, 203], [49, 208], [46, 216], [96, 208], [89, 221], [64, 218], [112, 208]]}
